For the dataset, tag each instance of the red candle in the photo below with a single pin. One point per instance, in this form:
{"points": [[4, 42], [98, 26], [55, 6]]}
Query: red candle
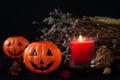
{"points": [[82, 50]]}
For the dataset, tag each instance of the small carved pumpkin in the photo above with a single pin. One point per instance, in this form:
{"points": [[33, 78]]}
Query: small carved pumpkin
{"points": [[42, 57], [14, 46]]}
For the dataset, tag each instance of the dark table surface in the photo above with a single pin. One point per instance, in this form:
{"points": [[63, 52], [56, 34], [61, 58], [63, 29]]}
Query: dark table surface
{"points": [[75, 74]]}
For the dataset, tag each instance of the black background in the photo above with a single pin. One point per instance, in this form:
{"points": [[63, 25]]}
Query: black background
{"points": [[17, 16]]}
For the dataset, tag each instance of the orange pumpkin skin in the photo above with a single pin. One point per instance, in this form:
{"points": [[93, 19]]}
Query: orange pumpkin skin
{"points": [[14, 46], [42, 57]]}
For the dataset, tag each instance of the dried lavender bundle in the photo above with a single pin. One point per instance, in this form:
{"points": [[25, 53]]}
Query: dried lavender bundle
{"points": [[63, 27]]}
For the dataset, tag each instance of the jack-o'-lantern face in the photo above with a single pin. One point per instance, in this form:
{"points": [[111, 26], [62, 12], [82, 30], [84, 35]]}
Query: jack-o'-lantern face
{"points": [[14, 46], [42, 57]]}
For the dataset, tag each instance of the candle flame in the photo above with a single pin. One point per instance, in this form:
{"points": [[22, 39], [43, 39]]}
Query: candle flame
{"points": [[80, 38]]}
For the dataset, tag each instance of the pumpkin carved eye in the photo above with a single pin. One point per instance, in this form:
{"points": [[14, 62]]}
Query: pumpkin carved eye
{"points": [[49, 53], [34, 53], [19, 44], [9, 44], [14, 46], [42, 57]]}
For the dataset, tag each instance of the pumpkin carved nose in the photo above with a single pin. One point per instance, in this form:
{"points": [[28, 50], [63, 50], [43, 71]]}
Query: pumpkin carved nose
{"points": [[14, 50], [41, 62]]}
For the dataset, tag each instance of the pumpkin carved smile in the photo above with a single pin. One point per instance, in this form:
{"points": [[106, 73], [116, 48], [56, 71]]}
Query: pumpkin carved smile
{"points": [[15, 54], [42, 68]]}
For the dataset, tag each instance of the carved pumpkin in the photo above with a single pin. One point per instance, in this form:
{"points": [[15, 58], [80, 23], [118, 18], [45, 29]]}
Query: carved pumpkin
{"points": [[14, 46], [42, 57]]}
